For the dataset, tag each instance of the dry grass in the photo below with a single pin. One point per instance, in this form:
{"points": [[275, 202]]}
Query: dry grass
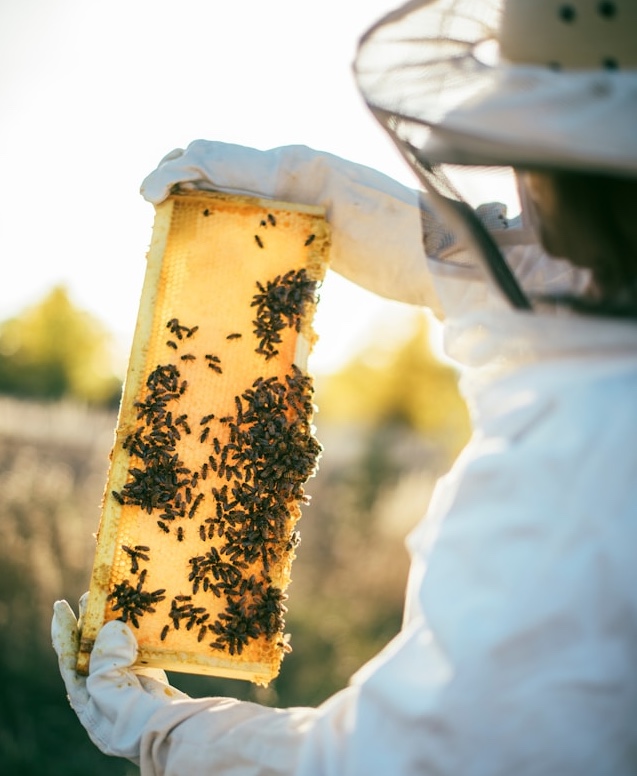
{"points": [[53, 463]]}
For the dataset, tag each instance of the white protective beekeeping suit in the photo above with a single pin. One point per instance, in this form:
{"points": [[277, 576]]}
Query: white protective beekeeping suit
{"points": [[519, 644]]}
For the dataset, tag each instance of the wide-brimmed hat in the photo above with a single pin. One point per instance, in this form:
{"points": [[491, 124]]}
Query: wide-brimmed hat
{"points": [[525, 83]]}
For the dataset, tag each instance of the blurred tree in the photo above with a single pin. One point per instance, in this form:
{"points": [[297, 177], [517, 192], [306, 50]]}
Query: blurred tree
{"points": [[400, 384], [53, 350]]}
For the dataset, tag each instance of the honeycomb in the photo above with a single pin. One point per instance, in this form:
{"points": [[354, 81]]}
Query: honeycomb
{"points": [[214, 439]]}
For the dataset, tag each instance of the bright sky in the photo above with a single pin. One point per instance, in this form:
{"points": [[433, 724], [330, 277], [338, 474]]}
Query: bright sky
{"points": [[94, 93]]}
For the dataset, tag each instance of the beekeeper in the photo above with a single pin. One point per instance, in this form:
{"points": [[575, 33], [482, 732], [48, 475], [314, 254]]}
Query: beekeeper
{"points": [[518, 652]]}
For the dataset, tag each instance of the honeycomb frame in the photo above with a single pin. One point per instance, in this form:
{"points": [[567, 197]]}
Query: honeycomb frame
{"points": [[214, 438]]}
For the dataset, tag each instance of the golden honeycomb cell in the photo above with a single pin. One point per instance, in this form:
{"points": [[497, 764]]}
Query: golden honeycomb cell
{"points": [[214, 440]]}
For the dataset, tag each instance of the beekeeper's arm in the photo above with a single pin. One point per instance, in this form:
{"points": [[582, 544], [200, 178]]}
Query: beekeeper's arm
{"points": [[375, 221], [118, 707], [516, 646]]}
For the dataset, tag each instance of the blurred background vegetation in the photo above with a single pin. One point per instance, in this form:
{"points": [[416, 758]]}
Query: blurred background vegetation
{"points": [[53, 350], [390, 421]]}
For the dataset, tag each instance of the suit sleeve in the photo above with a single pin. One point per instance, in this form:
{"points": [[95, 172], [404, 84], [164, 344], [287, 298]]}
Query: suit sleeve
{"points": [[375, 221]]}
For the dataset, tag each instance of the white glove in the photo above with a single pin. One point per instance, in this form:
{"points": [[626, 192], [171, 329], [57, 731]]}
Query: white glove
{"points": [[114, 703], [375, 221]]}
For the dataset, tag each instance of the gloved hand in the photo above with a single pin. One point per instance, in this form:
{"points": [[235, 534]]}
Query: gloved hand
{"points": [[374, 220], [114, 702]]}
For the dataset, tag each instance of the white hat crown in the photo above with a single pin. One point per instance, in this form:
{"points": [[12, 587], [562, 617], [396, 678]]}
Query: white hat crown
{"points": [[570, 34]]}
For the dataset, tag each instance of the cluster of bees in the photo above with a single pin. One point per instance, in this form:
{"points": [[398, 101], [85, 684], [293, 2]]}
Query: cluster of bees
{"points": [[134, 601], [242, 515], [280, 304]]}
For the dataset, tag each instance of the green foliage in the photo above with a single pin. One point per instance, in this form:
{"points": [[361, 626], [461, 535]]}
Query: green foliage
{"points": [[54, 350], [401, 384]]}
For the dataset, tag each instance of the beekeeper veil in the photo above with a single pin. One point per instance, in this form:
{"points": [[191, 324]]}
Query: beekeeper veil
{"points": [[471, 90]]}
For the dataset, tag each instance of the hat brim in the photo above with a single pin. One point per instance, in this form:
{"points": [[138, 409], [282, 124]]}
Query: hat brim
{"points": [[427, 85]]}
